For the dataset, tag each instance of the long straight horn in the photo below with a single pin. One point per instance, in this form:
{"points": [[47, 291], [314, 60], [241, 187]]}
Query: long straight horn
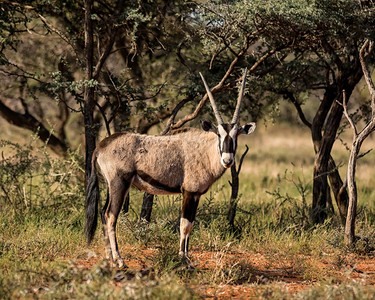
{"points": [[236, 114], [213, 104]]}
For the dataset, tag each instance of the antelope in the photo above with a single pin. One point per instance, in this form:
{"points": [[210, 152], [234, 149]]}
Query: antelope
{"points": [[186, 162]]}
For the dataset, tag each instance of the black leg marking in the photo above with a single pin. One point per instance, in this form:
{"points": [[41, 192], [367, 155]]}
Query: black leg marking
{"points": [[189, 209]]}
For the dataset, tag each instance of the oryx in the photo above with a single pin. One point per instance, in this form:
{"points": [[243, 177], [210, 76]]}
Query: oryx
{"points": [[188, 162]]}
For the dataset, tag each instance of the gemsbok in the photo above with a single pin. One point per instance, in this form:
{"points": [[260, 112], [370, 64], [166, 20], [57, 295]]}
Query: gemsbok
{"points": [[186, 162]]}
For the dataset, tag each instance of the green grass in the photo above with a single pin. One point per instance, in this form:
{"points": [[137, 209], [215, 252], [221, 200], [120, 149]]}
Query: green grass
{"points": [[42, 244]]}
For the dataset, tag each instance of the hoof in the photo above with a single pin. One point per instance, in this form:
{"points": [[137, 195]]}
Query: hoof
{"points": [[184, 255], [121, 264], [190, 268], [185, 259], [118, 263]]}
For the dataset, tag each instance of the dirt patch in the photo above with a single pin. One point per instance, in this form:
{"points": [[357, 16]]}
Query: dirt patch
{"points": [[239, 274]]}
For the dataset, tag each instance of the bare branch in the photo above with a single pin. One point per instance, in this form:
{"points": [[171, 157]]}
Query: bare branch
{"points": [[363, 154], [346, 114], [105, 54], [221, 85], [364, 53], [53, 29], [29, 122], [174, 113], [241, 159], [180, 57], [336, 58], [298, 108], [106, 122]]}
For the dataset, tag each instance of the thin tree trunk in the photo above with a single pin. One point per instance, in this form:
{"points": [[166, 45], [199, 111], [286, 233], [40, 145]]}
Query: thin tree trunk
{"points": [[339, 190], [125, 207], [148, 201], [235, 187], [330, 114], [321, 190], [358, 139], [352, 187], [233, 198], [89, 92], [336, 184]]}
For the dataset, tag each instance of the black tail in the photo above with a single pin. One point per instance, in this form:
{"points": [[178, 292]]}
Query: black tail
{"points": [[91, 205]]}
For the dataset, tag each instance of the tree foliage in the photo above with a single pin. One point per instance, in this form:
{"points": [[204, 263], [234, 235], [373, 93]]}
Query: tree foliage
{"points": [[146, 55]]}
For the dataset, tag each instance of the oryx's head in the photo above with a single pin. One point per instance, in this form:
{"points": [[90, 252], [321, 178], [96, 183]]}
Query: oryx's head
{"points": [[227, 133]]}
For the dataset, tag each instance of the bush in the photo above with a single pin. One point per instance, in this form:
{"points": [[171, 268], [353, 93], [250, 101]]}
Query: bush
{"points": [[30, 178]]}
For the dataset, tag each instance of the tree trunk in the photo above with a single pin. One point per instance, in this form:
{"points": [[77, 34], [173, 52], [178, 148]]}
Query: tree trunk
{"points": [[339, 190], [336, 184], [125, 207], [329, 114], [323, 145], [234, 195], [352, 187], [235, 187], [148, 201], [89, 92]]}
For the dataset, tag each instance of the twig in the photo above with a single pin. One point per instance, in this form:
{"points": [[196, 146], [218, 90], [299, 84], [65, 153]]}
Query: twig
{"points": [[105, 54], [346, 114], [298, 108], [174, 113], [53, 29], [369, 46], [106, 122], [215, 89], [241, 159]]}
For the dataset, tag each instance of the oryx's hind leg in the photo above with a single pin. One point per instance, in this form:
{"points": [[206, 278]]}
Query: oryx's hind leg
{"points": [[108, 252], [118, 189], [189, 209]]}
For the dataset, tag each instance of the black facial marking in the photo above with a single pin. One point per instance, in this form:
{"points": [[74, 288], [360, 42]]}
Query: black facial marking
{"points": [[229, 144], [147, 178]]}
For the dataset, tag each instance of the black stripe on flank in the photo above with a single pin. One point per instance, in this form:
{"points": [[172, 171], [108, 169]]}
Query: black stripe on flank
{"points": [[147, 178]]}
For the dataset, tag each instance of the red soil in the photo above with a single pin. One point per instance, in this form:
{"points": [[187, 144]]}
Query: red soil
{"points": [[251, 270]]}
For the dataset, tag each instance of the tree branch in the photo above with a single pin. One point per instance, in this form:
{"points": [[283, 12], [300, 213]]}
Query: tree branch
{"points": [[55, 30], [346, 114], [105, 54], [173, 115], [221, 85], [298, 108], [364, 53], [241, 159], [27, 121]]}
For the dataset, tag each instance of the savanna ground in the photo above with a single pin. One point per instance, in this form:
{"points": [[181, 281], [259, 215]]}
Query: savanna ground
{"points": [[275, 252]]}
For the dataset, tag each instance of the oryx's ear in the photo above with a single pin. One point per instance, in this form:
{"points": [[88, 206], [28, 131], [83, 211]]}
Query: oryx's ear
{"points": [[247, 129], [208, 126]]}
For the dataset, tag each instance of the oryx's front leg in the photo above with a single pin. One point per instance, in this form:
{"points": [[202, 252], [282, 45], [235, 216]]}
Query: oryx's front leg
{"points": [[118, 189], [189, 209]]}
